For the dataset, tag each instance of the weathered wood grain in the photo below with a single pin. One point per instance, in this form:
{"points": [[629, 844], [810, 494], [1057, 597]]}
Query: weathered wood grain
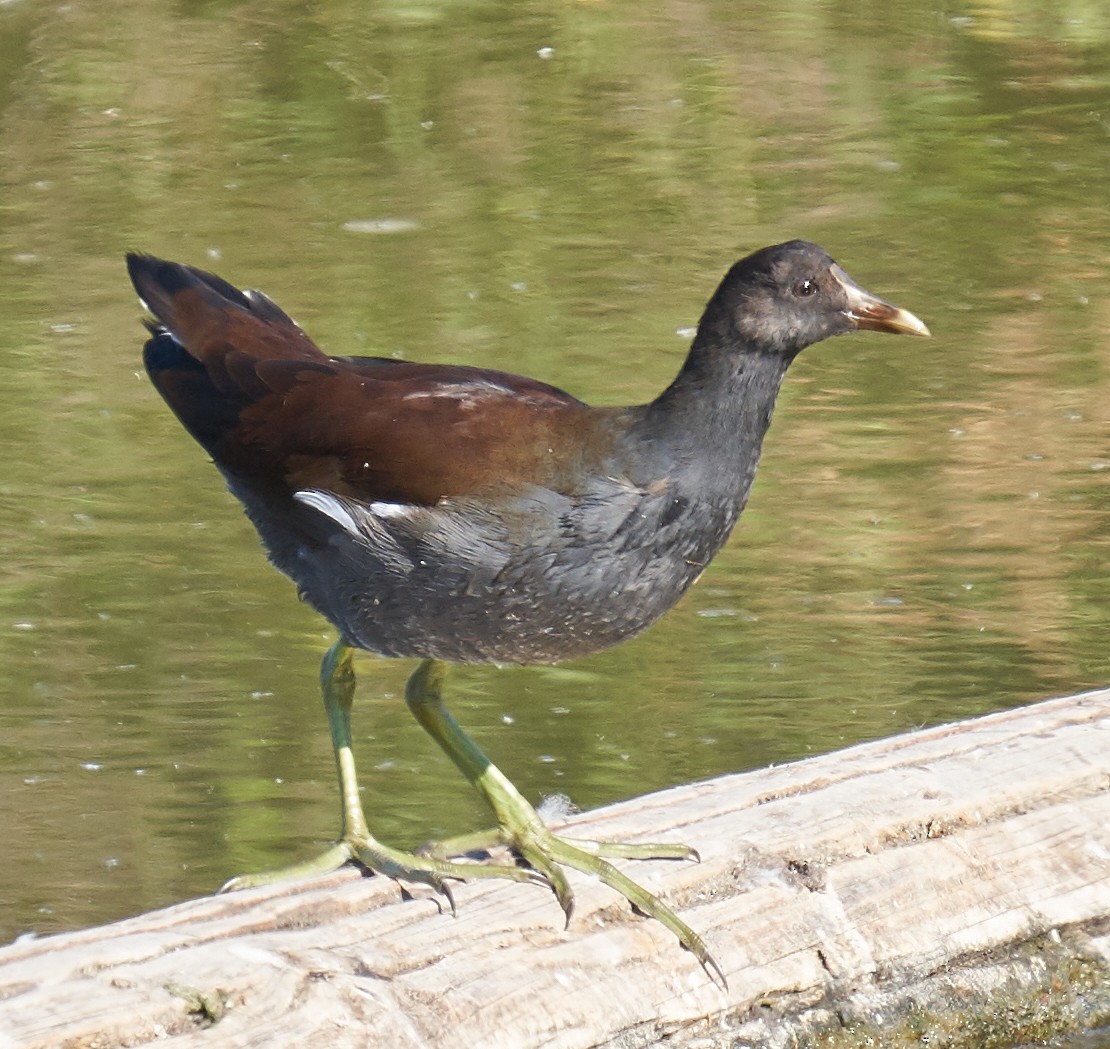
{"points": [[922, 876]]}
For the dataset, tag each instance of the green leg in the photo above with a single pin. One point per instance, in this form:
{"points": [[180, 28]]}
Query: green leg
{"points": [[356, 843], [520, 827]]}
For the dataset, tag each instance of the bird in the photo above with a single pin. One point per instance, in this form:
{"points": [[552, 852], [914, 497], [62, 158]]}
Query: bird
{"points": [[456, 514]]}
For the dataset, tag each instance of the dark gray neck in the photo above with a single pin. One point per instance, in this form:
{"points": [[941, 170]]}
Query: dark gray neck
{"points": [[713, 417]]}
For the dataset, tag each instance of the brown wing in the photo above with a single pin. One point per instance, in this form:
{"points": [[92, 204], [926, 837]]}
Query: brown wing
{"points": [[273, 409]]}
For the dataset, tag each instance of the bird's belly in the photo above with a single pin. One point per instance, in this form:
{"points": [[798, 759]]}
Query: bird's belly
{"points": [[529, 606], [530, 613], [542, 588]]}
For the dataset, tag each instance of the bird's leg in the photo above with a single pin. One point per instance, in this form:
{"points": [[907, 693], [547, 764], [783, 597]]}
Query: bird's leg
{"points": [[337, 680], [521, 828]]}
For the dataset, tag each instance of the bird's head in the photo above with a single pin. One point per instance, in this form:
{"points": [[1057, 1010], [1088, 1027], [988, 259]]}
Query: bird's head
{"points": [[786, 297]]}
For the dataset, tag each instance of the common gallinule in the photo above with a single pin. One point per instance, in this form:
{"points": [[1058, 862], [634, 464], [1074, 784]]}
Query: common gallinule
{"points": [[459, 514]]}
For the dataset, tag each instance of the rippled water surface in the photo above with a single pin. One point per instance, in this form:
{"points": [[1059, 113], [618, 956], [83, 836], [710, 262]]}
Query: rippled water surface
{"points": [[551, 189]]}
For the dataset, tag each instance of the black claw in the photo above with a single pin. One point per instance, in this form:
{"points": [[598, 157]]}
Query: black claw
{"points": [[445, 888], [714, 971], [539, 878], [708, 963]]}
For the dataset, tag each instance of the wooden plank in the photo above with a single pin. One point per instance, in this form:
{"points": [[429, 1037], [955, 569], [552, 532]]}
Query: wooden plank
{"points": [[913, 880]]}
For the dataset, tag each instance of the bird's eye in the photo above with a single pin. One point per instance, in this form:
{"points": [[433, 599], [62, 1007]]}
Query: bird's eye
{"points": [[804, 288]]}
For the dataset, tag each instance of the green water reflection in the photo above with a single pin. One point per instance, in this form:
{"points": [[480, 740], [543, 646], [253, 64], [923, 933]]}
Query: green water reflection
{"points": [[552, 189]]}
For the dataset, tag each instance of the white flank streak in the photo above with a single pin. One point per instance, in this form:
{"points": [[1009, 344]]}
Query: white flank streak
{"points": [[329, 506], [391, 509], [332, 507]]}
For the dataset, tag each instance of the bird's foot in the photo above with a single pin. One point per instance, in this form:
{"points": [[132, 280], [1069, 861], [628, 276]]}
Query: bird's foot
{"points": [[403, 867], [547, 854]]}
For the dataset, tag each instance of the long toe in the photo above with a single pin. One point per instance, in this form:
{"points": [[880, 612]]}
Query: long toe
{"points": [[549, 853]]}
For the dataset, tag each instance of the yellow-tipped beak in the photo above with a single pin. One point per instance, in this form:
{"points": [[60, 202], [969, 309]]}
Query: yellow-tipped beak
{"points": [[873, 314]]}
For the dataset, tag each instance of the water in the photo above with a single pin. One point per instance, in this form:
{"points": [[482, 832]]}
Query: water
{"points": [[555, 191]]}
